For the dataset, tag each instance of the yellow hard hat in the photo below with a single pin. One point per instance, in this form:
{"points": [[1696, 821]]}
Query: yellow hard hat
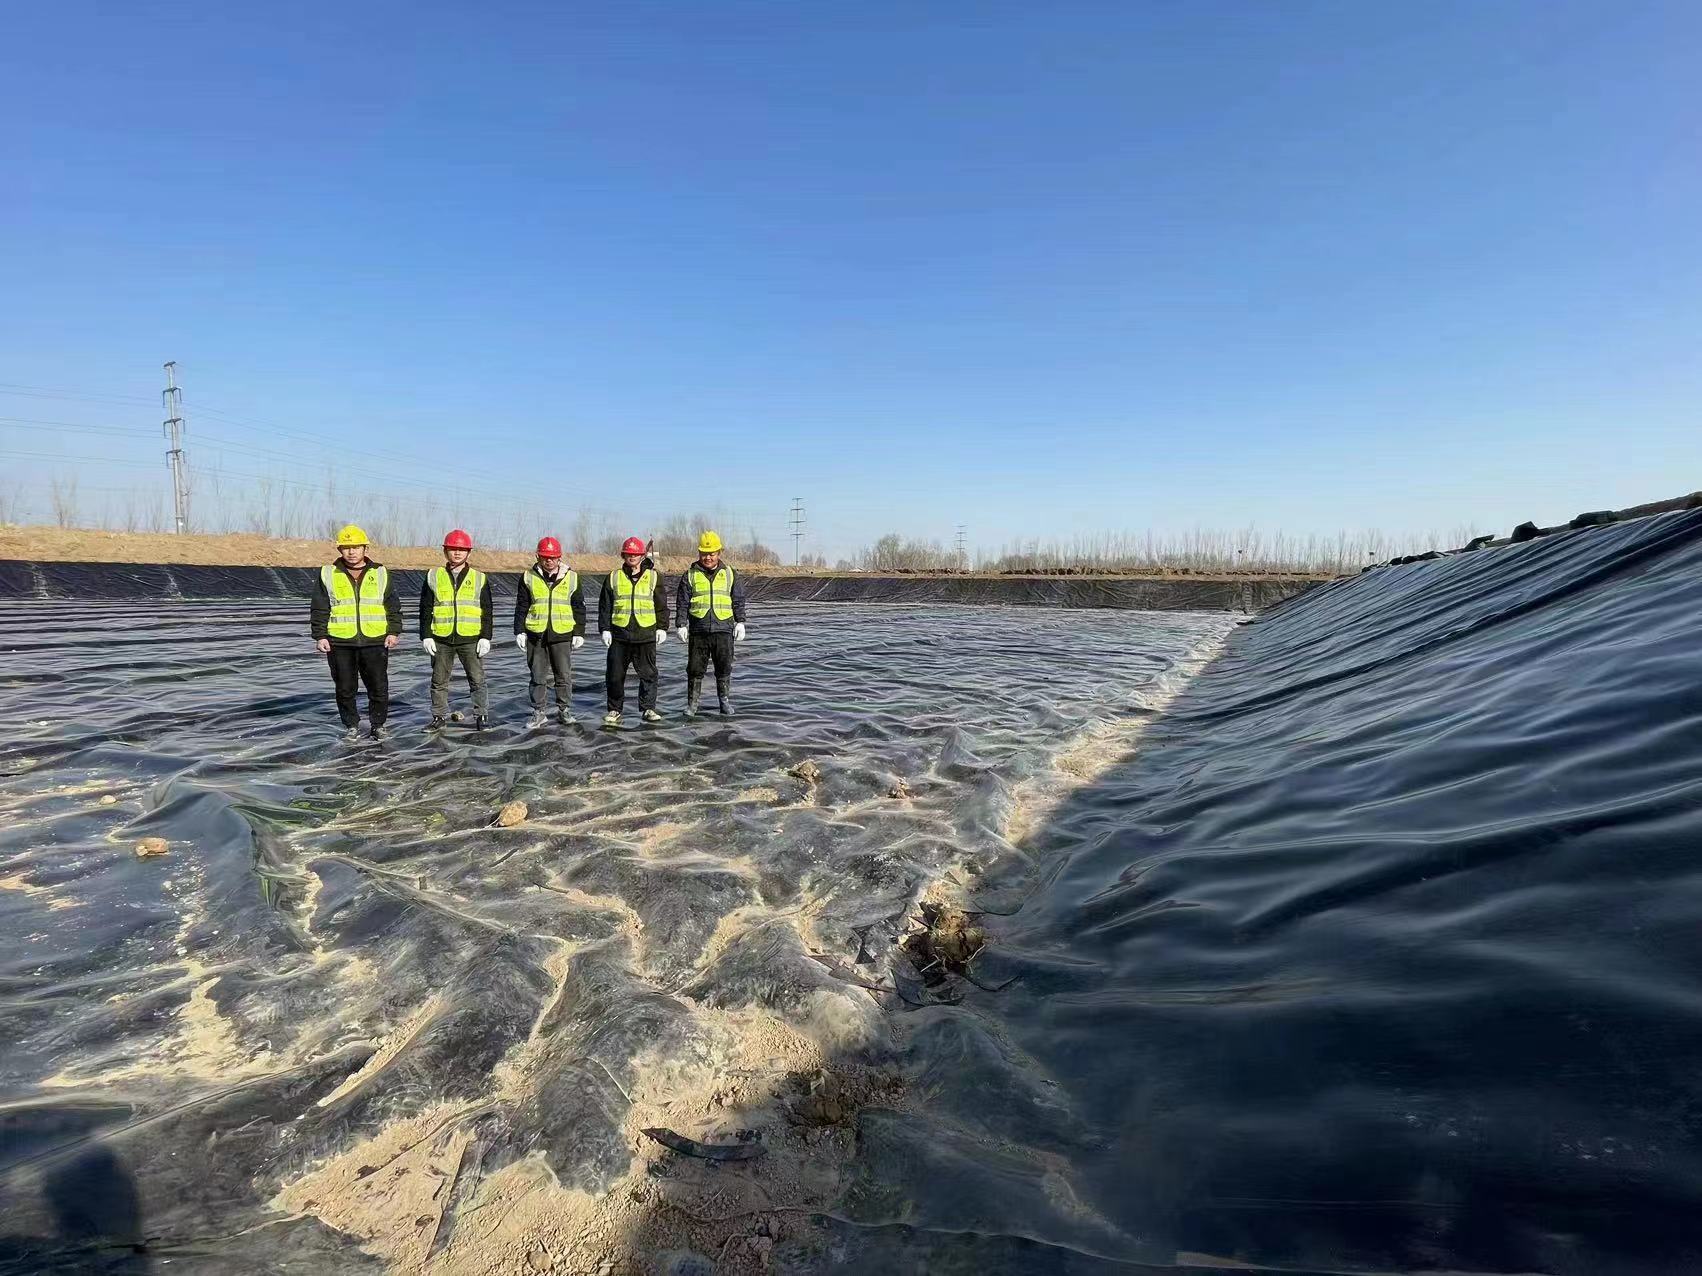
{"points": [[351, 535], [709, 543]]}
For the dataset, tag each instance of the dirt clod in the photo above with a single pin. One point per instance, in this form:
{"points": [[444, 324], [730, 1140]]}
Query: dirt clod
{"points": [[807, 771], [150, 847], [511, 814], [106, 799], [949, 939], [818, 1109], [899, 789]]}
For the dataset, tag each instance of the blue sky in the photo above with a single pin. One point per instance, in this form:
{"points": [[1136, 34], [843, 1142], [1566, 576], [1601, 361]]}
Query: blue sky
{"points": [[1036, 269]]}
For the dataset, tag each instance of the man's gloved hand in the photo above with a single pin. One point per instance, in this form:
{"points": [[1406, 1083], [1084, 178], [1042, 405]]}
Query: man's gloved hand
{"points": [[520, 641], [484, 647], [578, 642], [324, 645], [608, 638], [661, 636], [430, 645], [684, 631], [739, 632]]}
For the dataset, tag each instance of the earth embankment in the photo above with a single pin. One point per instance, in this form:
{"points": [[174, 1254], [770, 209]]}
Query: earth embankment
{"points": [[118, 580]]}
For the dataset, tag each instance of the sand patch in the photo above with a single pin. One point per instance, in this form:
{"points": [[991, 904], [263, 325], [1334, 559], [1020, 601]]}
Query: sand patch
{"points": [[391, 1045], [43, 894]]}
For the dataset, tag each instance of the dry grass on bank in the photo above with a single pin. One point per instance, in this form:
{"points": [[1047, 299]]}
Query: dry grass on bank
{"points": [[231, 549], [243, 549]]}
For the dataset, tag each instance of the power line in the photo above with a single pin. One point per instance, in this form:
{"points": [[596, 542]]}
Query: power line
{"points": [[594, 501], [490, 491]]}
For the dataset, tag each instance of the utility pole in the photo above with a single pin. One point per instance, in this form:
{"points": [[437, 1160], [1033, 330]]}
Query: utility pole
{"points": [[796, 520], [173, 430], [962, 555]]}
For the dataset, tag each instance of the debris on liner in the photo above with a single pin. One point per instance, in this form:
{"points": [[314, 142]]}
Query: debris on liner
{"points": [[745, 1150], [511, 814], [947, 942], [150, 847]]}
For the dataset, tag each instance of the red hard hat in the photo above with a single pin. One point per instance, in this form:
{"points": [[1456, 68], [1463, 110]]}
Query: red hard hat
{"points": [[457, 540], [549, 547], [633, 546]]}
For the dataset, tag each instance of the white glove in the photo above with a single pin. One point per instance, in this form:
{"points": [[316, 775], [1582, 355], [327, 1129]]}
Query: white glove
{"points": [[430, 645], [520, 641], [484, 647], [739, 631], [608, 638], [661, 636], [684, 631], [578, 642]]}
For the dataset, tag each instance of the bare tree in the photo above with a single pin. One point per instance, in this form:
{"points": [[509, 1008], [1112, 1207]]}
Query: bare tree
{"points": [[63, 492]]}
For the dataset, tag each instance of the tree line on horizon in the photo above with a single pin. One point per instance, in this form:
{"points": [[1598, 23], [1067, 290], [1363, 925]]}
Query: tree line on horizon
{"points": [[1246, 549], [291, 510]]}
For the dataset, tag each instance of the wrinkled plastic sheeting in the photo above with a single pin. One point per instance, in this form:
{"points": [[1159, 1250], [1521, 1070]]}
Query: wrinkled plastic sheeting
{"points": [[338, 941], [1379, 955]]}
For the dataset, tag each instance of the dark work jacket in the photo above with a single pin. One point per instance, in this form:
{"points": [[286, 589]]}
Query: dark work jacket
{"points": [[319, 608], [428, 603], [633, 632], [708, 624], [523, 604]]}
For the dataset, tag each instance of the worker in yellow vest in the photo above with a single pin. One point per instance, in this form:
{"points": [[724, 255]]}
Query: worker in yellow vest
{"points": [[709, 604], [356, 620], [455, 624], [549, 626], [633, 615]]}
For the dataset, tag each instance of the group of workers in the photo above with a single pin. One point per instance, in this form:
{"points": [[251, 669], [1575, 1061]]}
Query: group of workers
{"points": [[356, 620]]}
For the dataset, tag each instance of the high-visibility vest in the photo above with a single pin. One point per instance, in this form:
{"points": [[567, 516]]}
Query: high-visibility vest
{"points": [[545, 612], [364, 617], [633, 599], [457, 611], [711, 592]]}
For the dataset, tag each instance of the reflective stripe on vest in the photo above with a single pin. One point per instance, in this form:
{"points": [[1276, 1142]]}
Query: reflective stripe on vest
{"points": [[457, 611], [545, 612], [709, 595], [633, 598], [350, 618]]}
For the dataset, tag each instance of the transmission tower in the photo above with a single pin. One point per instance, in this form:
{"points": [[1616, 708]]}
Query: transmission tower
{"points": [[962, 554], [796, 521], [172, 397]]}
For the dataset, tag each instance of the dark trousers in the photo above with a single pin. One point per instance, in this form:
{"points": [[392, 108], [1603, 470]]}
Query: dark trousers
{"points": [[370, 665], [701, 649], [546, 660], [443, 664], [642, 657]]}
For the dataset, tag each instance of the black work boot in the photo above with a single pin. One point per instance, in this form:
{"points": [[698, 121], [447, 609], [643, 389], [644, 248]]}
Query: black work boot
{"points": [[694, 693], [724, 692]]}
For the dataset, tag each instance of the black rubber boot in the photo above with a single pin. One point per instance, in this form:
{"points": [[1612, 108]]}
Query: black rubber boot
{"points": [[694, 693], [724, 692]]}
